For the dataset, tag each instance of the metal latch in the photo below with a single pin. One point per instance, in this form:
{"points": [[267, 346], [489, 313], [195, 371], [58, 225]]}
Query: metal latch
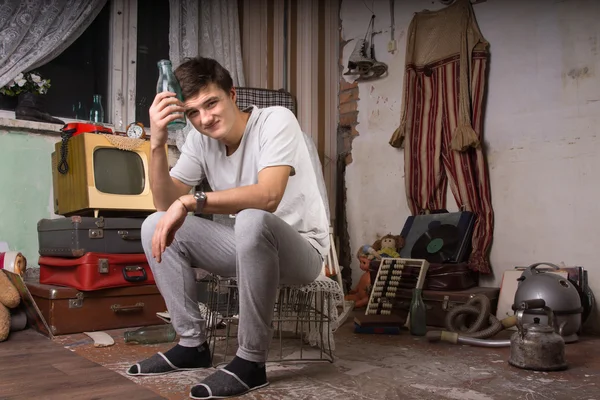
{"points": [[445, 303], [103, 266], [77, 302], [96, 233]]}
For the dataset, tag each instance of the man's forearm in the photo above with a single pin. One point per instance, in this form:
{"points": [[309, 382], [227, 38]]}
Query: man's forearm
{"points": [[164, 191], [234, 200]]}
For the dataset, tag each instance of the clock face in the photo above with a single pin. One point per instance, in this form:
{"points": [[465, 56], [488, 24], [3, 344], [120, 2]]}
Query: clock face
{"points": [[136, 131]]}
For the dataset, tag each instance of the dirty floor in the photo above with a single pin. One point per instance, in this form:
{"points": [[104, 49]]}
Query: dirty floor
{"points": [[380, 367]]}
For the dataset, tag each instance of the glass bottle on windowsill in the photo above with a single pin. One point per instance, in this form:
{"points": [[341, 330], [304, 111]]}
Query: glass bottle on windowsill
{"points": [[418, 314], [97, 111], [151, 335], [79, 111]]}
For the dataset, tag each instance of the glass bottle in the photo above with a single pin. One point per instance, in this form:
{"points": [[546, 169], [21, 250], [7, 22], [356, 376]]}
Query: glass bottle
{"points": [[167, 82], [79, 111], [418, 314], [97, 112], [151, 334]]}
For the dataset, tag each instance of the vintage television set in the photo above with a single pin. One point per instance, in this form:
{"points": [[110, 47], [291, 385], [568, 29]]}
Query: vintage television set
{"points": [[100, 174]]}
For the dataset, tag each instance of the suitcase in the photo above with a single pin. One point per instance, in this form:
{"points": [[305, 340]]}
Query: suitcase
{"points": [[95, 271], [75, 236], [444, 277], [441, 277], [439, 302], [67, 310]]}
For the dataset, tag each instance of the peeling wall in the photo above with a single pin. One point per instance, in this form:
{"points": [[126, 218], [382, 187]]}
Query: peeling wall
{"points": [[541, 131], [25, 189]]}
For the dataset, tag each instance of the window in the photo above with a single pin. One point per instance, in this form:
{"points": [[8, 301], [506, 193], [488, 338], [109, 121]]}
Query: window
{"points": [[115, 57], [81, 71]]}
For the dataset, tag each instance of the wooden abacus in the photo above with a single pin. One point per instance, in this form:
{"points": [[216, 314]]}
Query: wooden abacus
{"points": [[388, 280]]}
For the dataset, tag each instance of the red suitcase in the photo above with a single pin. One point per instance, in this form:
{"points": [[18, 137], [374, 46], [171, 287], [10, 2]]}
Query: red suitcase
{"points": [[94, 271]]}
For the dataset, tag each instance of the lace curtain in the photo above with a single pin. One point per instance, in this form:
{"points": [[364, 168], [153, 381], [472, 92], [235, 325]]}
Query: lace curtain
{"points": [[33, 32], [209, 28]]}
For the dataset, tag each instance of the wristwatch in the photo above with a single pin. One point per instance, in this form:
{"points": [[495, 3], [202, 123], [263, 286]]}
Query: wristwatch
{"points": [[200, 201]]}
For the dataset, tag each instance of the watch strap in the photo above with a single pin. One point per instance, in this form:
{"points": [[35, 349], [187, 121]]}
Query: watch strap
{"points": [[200, 202]]}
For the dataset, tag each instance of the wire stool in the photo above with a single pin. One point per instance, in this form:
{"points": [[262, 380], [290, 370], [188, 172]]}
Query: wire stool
{"points": [[299, 315]]}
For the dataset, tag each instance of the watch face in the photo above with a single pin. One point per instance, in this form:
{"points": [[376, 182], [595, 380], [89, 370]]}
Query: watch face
{"points": [[135, 131]]}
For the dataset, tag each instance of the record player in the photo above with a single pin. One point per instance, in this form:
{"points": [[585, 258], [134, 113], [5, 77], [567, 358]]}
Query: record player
{"points": [[438, 238]]}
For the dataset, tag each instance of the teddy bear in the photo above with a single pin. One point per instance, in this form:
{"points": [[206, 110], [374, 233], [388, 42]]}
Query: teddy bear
{"points": [[9, 299], [369, 258]]}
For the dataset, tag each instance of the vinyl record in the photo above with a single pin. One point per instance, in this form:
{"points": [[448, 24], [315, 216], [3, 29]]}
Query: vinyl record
{"points": [[438, 245]]}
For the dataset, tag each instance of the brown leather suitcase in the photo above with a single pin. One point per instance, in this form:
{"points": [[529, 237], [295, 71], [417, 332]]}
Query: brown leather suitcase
{"points": [[450, 277], [439, 302], [67, 310]]}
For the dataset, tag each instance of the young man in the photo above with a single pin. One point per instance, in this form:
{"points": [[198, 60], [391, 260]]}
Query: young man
{"points": [[259, 166]]}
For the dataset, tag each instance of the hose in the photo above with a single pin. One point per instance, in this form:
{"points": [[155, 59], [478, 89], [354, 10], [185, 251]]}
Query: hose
{"points": [[455, 338], [486, 325]]}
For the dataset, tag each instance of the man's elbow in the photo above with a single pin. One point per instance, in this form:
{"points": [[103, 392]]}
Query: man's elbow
{"points": [[272, 202]]}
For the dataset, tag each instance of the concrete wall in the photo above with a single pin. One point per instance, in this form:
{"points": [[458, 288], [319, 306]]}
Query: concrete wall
{"points": [[541, 130], [25, 189]]}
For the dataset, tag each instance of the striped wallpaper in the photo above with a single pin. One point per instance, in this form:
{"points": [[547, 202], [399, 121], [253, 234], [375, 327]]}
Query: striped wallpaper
{"points": [[294, 45]]}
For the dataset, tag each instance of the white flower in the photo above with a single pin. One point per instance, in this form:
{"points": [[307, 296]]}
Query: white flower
{"points": [[20, 76], [36, 78], [20, 82]]}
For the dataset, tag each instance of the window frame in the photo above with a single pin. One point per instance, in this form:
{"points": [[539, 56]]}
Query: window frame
{"points": [[122, 63]]}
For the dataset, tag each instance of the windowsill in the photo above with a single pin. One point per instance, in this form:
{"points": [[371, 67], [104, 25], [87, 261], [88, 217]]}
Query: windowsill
{"points": [[9, 123]]}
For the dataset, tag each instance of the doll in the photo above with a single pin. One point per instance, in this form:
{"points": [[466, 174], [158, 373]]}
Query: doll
{"points": [[369, 258]]}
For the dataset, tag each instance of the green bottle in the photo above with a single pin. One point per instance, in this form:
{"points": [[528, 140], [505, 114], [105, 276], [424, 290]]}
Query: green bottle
{"points": [[418, 314], [97, 111], [151, 335], [167, 82]]}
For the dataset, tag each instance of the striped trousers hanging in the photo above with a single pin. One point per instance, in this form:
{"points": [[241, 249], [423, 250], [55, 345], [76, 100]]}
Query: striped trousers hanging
{"points": [[431, 107]]}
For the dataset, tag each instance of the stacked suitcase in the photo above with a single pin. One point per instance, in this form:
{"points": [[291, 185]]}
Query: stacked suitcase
{"points": [[94, 275]]}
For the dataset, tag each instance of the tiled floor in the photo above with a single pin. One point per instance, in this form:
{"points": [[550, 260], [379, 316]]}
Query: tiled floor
{"points": [[383, 367]]}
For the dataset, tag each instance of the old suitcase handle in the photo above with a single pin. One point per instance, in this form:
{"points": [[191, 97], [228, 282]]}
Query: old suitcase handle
{"points": [[117, 308], [138, 278], [126, 236]]}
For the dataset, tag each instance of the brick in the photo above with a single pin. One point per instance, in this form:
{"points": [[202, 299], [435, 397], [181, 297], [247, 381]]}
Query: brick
{"points": [[349, 118], [347, 85], [348, 95], [349, 159], [348, 107], [347, 144], [354, 132]]}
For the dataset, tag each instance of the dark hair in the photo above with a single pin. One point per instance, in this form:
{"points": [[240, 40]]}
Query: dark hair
{"points": [[196, 73]]}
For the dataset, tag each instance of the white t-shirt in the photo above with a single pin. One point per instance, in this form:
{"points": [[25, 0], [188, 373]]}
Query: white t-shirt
{"points": [[272, 137]]}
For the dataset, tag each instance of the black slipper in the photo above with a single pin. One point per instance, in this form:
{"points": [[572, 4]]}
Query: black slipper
{"points": [[190, 359], [221, 385], [158, 364]]}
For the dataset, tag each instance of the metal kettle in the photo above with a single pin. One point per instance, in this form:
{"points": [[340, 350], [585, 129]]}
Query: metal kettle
{"points": [[537, 346]]}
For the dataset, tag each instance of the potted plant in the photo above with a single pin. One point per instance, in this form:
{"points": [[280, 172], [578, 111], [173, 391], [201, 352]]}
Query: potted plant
{"points": [[29, 88]]}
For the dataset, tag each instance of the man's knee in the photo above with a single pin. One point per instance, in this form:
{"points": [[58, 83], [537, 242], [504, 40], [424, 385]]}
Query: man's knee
{"points": [[251, 224], [149, 226]]}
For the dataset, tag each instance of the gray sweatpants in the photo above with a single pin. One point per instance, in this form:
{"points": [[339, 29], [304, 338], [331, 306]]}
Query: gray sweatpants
{"points": [[262, 251]]}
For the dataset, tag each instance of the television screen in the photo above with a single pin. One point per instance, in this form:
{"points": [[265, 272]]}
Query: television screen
{"points": [[118, 171]]}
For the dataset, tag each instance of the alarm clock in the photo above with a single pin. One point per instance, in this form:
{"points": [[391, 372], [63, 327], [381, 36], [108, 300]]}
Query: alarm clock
{"points": [[136, 130]]}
